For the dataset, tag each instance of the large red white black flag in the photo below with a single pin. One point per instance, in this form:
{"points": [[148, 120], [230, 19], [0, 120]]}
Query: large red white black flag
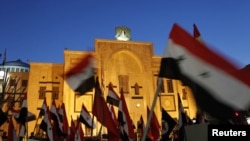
{"points": [[81, 77], [218, 85]]}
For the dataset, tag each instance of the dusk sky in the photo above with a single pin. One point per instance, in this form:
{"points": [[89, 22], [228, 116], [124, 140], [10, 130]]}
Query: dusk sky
{"points": [[39, 30]]}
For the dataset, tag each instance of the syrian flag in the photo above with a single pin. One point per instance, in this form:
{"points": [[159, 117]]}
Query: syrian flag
{"points": [[217, 85], [81, 77], [168, 124], [113, 115], [86, 118], [23, 114], [21, 117], [79, 135], [43, 108], [46, 125], [63, 118], [112, 112], [58, 124], [124, 118], [112, 97], [101, 111], [141, 126]]}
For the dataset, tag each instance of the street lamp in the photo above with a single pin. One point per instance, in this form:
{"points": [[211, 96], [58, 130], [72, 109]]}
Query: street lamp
{"points": [[1, 81]]}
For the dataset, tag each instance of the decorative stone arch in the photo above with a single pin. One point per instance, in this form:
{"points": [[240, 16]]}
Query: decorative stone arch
{"points": [[126, 56], [121, 66]]}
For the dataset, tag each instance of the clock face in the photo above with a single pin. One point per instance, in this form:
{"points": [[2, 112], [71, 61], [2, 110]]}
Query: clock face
{"points": [[122, 35]]}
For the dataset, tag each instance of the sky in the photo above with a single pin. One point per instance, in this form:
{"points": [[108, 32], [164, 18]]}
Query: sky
{"points": [[39, 30]]}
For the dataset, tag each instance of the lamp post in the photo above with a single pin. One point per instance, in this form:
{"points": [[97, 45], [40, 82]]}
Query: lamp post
{"points": [[3, 83]]}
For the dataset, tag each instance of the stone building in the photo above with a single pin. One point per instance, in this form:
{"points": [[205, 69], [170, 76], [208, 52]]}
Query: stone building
{"points": [[126, 64], [14, 76], [130, 65]]}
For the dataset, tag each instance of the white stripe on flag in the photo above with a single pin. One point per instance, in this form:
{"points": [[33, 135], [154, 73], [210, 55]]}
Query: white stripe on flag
{"points": [[75, 80], [88, 119], [223, 86], [209, 69]]}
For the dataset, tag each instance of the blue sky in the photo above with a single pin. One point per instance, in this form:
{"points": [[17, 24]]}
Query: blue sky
{"points": [[39, 30]]}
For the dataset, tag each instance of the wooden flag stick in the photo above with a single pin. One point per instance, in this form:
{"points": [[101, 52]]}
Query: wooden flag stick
{"points": [[152, 109]]}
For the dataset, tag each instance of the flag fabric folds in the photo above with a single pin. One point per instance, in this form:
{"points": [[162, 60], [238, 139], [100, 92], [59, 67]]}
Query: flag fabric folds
{"points": [[112, 97], [101, 111], [86, 118], [211, 77], [23, 114], [81, 77], [168, 124], [154, 126], [197, 35], [79, 134], [63, 118], [112, 112], [43, 108], [196, 32], [58, 124], [141, 128], [72, 130], [46, 125], [124, 119], [22, 126], [21, 117], [30, 117]]}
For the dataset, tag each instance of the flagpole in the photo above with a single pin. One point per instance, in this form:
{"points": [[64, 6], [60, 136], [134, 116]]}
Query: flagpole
{"points": [[35, 125], [160, 105], [160, 97], [152, 108], [92, 127], [93, 123]]}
